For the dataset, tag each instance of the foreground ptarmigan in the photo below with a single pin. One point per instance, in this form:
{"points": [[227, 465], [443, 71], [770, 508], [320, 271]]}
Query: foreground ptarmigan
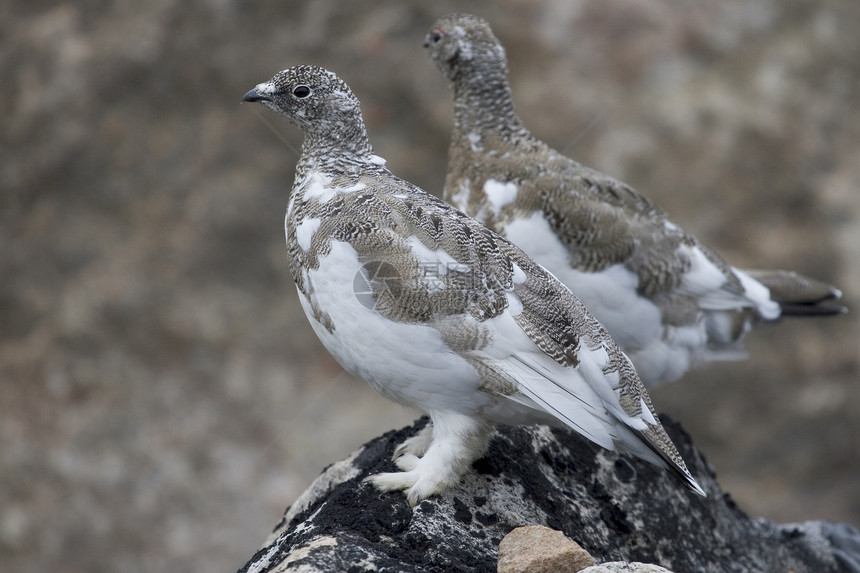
{"points": [[667, 300], [438, 312]]}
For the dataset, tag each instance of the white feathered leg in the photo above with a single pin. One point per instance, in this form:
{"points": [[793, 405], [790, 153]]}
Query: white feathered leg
{"points": [[416, 445], [457, 440]]}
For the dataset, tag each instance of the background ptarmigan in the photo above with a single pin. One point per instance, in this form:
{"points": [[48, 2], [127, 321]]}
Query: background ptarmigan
{"points": [[438, 312], [667, 300]]}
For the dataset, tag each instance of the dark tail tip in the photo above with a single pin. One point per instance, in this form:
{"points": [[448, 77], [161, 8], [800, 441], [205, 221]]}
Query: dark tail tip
{"points": [[811, 309]]}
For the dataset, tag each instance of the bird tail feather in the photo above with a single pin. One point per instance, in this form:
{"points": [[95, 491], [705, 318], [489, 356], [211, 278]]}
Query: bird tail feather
{"points": [[799, 295]]}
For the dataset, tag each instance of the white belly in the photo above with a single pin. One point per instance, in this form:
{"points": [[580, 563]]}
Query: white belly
{"points": [[660, 353], [406, 363]]}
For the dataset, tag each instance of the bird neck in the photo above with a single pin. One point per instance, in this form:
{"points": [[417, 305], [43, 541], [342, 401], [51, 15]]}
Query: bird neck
{"points": [[483, 103], [336, 148]]}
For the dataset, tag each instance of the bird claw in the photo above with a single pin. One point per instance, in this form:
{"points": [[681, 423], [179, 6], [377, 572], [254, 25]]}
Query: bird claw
{"points": [[429, 470], [418, 487], [397, 481], [417, 445], [407, 462]]}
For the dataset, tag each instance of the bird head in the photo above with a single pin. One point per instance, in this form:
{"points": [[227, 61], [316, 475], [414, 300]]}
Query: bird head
{"points": [[310, 97], [464, 44]]}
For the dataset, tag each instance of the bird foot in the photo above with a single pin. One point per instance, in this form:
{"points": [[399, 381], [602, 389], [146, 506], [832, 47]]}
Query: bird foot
{"points": [[420, 479], [436, 457], [417, 445]]}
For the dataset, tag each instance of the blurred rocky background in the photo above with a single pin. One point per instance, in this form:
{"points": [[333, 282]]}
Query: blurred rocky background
{"points": [[162, 398]]}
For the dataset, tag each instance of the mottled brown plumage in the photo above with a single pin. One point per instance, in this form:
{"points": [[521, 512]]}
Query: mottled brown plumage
{"points": [[667, 299]]}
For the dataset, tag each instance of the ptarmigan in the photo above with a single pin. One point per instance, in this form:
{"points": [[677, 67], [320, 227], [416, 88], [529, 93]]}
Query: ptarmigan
{"points": [[438, 312], [667, 300]]}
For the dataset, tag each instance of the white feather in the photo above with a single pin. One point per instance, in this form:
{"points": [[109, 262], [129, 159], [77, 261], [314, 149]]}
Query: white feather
{"points": [[499, 194], [305, 232], [318, 186]]}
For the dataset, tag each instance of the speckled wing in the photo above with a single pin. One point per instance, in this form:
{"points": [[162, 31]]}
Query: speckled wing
{"points": [[599, 220], [592, 366]]}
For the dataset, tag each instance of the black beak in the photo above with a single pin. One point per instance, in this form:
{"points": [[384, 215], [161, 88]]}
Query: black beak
{"points": [[254, 95]]}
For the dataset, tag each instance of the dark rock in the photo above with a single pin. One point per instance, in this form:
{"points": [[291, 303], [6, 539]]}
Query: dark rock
{"points": [[617, 509]]}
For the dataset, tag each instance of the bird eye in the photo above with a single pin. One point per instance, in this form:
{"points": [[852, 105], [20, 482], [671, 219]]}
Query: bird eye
{"points": [[302, 91], [436, 35]]}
